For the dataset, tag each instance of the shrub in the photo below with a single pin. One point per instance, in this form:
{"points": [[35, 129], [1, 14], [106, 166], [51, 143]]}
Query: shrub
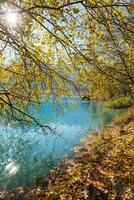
{"points": [[120, 102]]}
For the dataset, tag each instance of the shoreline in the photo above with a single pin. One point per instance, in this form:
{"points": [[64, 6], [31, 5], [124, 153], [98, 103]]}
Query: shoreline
{"points": [[75, 176]]}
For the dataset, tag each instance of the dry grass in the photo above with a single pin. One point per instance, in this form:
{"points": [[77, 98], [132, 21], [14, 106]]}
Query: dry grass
{"points": [[105, 163]]}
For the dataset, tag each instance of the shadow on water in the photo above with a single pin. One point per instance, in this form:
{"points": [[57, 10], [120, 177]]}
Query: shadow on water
{"points": [[27, 154]]}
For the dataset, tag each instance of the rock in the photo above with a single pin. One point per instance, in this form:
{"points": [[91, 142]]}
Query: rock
{"points": [[122, 131], [20, 193], [93, 193], [20, 190], [85, 98], [3, 194], [42, 182]]}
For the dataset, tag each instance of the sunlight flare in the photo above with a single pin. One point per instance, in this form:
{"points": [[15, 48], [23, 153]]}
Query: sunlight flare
{"points": [[12, 168], [11, 18]]}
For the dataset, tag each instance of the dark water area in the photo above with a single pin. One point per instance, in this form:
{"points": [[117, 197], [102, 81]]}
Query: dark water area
{"points": [[27, 154]]}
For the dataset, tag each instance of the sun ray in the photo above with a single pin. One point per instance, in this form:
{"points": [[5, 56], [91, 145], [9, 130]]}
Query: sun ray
{"points": [[11, 18]]}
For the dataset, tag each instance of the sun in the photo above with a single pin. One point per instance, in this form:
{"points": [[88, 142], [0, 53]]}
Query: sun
{"points": [[11, 18]]}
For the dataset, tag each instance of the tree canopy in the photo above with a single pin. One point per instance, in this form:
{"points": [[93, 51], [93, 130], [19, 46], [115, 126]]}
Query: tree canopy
{"points": [[61, 48]]}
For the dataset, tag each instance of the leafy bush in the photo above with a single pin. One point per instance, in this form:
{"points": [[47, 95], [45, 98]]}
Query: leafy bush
{"points": [[126, 118], [120, 102]]}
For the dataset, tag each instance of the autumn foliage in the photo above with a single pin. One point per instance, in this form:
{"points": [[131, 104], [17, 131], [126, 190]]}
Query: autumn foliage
{"points": [[105, 161]]}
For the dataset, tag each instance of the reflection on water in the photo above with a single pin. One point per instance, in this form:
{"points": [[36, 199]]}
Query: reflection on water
{"points": [[26, 154], [11, 168]]}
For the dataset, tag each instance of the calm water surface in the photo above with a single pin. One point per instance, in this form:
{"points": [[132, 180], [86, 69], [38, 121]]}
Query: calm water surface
{"points": [[27, 154]]}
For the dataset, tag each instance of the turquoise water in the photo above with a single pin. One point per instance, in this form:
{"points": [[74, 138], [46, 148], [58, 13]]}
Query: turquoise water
{"points": [[27, 154]]}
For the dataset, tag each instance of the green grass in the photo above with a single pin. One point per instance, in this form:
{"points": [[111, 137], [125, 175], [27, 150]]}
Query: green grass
{"points": [[120, 102]]}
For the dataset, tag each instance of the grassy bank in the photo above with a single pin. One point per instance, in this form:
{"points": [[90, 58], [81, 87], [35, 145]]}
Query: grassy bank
{"points": [[102, 169], [120, 102]]}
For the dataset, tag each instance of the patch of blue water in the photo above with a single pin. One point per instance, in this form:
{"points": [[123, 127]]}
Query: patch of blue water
{"points": [[26, 154]]}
